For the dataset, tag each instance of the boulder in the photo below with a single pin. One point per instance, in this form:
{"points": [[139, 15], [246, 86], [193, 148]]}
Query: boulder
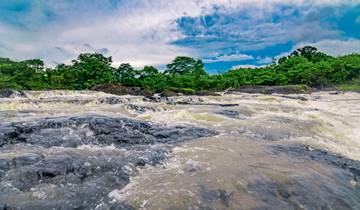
{"points": [[8, 93]]}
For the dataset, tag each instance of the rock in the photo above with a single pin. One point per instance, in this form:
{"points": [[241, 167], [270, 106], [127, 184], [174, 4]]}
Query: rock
{"points": [[299, 151], [210, 196], [206, 93], [167, 93], [26, 159], [112, 100], [140, 109], [190, 92], [117, 89], [287, 89], [94, 129], [314, 191], [47, 160], [7, 93], [301, 98], [156, 99], [232, 114]]}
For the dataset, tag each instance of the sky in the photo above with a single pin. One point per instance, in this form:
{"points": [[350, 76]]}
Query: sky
{"points": [[225, 34]]}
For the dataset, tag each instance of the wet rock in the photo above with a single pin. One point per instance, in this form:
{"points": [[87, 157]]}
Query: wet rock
{"points": [[306, 152], [168, 93], [7, 93], [70, 179], [117, 89], [335, 93], [312, 192], [287, 89], [181, 92], [301, 98], [112, 100], [209, 195], [186, 100], [26, 159], [140, 109], [156, 99], [46, 160], [94, 129], [232, 114]]}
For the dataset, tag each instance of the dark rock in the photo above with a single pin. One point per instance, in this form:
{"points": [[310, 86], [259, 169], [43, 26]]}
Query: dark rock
{"points": [[168, 93], [50, 164], [156, 99], [117, 89], [7, 93], [206, 93], [316, 191], [140, 109], [26, 159], [312, 192], [111, 100], [94, 129], [305, 152], [301, 98], [180, 92], [232, 114], [287, 89], [210, 195], [335, 93]]}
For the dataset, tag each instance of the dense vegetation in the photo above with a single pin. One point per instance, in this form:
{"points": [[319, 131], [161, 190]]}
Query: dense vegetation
{"points": [[303, 66]]}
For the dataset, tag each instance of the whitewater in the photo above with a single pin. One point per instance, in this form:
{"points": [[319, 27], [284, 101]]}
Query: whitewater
{"points": [[92, 150]]}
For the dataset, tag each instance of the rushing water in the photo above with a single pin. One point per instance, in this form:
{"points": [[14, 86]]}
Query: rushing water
{"points": [[236, 151]]}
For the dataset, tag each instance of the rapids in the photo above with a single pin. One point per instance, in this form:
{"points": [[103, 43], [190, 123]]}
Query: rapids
{"points": [[91, 150]]}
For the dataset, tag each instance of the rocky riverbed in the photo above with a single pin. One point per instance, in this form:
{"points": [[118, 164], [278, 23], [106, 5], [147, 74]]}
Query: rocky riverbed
{"points": [[91, 150]]}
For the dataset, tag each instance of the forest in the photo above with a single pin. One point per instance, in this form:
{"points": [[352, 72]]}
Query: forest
{"points": [[305, 66]]}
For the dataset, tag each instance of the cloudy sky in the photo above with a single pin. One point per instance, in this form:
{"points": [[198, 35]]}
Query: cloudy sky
{"points": [[224, 33]]}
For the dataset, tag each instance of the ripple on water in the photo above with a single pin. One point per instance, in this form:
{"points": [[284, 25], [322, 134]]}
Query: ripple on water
{"points": [[55, 154]]}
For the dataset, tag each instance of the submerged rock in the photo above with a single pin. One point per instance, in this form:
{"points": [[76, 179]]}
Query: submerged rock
{"points": [[233, 114], [338, 189], [328, 158]]}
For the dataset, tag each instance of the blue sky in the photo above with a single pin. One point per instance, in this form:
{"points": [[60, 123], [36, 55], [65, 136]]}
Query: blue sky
{"points": [[223, 33]]}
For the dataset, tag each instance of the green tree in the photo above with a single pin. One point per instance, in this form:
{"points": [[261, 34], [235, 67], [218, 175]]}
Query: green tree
{"points": [[309, 52], [183, 65], [91, 69], [148, 71], [125, 74]]}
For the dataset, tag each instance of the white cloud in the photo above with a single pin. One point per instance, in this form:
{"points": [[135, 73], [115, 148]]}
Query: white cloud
{"points": [[265, 60], [335, 47], [247, 66], [233, 57], [137, 31]]}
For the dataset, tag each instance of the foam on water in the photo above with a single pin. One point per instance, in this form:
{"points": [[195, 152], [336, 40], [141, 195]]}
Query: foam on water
{"points": [[222, 171]]}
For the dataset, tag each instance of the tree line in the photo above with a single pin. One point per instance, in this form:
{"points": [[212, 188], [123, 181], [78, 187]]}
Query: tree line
{"points": [[305, 66]]}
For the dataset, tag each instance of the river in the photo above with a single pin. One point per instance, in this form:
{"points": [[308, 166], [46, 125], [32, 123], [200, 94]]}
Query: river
{"points": [[91, 150]]}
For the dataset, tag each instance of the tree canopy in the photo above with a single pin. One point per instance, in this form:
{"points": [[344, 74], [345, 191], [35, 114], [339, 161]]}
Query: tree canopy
{"points": [[303, 66]]}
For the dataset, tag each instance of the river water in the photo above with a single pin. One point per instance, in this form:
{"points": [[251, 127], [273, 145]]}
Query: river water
{"points": [[235, 151]]}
